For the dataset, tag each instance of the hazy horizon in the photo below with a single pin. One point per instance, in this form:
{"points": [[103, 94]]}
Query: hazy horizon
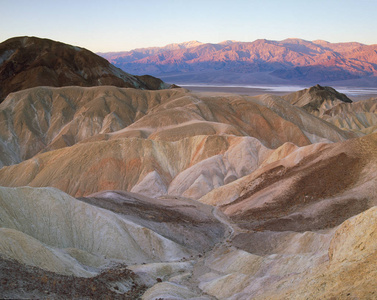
{"points": [[115, 25]]}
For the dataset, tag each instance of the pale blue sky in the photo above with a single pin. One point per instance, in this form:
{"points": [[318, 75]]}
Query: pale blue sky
{"points": [[116, 25]]}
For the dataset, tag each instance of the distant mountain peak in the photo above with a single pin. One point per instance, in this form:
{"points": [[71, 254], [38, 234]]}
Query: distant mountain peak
{"points": [[228, 42], [321, 42], [184, 45], [296, 40], [191, 44]]}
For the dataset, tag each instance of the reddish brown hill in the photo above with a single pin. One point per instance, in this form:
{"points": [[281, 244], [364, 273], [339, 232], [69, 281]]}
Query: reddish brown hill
{"points": [[27, 62]]}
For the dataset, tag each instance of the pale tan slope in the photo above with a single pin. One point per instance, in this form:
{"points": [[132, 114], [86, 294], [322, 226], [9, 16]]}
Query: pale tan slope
{"points": [[268, 118], [139, 165], [306, 191], [37, 213], [287, 265], [351, 270], [44, 118], [48, 229], [334, 264], [30, 251]]}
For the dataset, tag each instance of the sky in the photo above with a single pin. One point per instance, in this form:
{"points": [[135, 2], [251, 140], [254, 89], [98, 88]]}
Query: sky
{"points": [[115, 25]]}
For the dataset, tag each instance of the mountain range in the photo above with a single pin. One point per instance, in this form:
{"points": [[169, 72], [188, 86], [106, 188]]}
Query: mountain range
{"points": [[132, 193], [290, 61]]}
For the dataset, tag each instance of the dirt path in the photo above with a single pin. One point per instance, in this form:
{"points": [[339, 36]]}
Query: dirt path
{"points": [[233, 228]]}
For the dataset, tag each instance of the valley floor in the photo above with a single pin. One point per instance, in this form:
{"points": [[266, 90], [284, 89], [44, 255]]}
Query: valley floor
{"points": [[356, 93]]}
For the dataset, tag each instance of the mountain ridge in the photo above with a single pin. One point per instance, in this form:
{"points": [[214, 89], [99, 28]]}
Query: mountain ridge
{"points": [[292, 60]]}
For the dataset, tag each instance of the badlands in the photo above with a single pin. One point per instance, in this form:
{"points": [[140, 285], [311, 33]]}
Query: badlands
{"points": [[121, 193]]}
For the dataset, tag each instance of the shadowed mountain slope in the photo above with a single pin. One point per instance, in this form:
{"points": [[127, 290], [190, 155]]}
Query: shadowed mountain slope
{"points": [[27, 62], [182, 220]]}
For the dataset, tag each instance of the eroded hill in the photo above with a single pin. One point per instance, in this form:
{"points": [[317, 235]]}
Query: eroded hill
{"points": [[181, 195]]}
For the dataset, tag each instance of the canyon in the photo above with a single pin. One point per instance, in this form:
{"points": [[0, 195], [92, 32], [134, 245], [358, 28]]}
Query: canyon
{"points": [[129, 192]]}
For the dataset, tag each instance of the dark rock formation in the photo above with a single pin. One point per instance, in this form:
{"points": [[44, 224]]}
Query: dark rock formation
{"points": [[27, 62], [313, 98]]}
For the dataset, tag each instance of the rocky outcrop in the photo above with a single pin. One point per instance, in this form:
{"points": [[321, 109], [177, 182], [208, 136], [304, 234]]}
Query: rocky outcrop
{"points": [[317, 99]]}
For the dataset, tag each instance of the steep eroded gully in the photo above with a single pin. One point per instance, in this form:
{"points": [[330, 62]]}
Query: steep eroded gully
{"points": [[202, 266]]}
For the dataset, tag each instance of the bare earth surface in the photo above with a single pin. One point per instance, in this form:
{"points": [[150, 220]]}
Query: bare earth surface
{"points": [[111, 193]]}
